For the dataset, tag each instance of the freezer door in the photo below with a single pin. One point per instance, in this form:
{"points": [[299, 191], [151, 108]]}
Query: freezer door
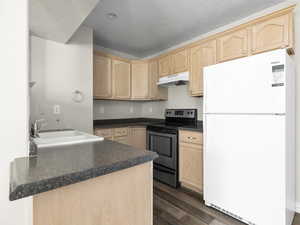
{"points": [[244, 166], [254, 84]]}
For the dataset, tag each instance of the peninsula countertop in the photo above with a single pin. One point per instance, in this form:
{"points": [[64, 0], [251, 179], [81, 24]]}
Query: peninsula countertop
{"points": [[60, 166]]}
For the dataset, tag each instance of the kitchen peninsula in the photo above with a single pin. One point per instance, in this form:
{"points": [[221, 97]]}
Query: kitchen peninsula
{"points": [[103, 183]]}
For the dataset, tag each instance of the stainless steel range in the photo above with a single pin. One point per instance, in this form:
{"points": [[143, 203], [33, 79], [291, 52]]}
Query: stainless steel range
{"points": [[162, 138]]}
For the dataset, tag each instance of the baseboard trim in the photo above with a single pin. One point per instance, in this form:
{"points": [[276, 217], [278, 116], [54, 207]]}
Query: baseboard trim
{"points": [[297, 207]]}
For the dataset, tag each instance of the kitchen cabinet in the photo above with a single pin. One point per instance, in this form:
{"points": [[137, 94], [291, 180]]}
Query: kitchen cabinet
{"points": [[121, 79], [106, 133], [133, 136], [165, 67], [138, 137], [176, 62], [102, 77], [156, 92], [180, 61], [140, 82], [272, 34], [202, 55], [121, 135], [233, 45], [191, 160]]}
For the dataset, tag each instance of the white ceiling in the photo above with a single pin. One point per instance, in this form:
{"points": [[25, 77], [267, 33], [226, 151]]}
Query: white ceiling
{"points": [[145, 27], [48, 18]]}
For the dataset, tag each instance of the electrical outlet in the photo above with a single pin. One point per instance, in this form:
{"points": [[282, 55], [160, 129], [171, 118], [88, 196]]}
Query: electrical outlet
{"points": [[56, 109], [131, 109], [150, 109], [101, 109]]}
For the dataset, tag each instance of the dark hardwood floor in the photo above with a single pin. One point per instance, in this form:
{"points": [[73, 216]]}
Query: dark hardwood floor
{"points": [[182, 207]]}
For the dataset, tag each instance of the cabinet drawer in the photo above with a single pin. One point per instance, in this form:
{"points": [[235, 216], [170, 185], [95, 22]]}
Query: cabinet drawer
{"points": [[191, 137], [103, 132], [119, 132]]}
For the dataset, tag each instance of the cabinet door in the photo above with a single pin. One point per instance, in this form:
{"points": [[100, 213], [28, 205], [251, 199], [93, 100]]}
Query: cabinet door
{"points": [[191, 166], [155, 91], [180, 62], [165, 66], [121, 79], [271, 34], [233, 45], [123, 140], [139, 81], [102, 77], [201, 56], [106, 133], [138, 137]]}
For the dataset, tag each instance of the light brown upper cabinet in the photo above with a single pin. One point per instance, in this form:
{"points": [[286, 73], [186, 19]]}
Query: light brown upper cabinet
{"points": [[272, 34], [155, 91], [139, 80], [201, 56], [102, 77], [165, 67], [121, 79], [233, 45], [180, 61]]}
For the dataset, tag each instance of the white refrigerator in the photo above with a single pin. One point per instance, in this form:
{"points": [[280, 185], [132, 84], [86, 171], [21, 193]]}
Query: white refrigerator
{"points": [[249, 138]]}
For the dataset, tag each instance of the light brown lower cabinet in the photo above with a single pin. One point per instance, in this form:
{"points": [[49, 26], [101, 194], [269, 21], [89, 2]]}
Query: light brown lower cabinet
{"points": [[138, 137], [191, 160], [133, 136], [123, 140], [123, 197]]}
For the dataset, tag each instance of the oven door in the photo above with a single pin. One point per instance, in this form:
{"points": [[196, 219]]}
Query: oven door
{"points": [[165, 145]]}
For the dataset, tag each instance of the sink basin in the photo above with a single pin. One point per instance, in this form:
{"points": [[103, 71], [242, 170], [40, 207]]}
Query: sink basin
{"points": [[64, 137]]}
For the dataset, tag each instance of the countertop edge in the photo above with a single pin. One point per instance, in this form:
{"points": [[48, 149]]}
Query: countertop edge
{"points": [[25, 190]]}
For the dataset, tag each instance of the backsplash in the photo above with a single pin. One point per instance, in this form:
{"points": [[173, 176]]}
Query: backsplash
{"points": [[178, 98], [106, 109]]}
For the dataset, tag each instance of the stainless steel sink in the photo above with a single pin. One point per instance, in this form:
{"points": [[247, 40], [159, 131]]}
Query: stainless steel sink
{"points": [[64, 137]]}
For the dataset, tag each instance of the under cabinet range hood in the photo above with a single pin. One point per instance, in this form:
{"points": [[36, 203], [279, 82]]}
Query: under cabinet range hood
{"points": [[175, 79]]}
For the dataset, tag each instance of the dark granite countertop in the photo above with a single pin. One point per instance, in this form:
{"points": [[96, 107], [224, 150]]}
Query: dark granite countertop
{"points": [[114, 123], [198, 127], [60, 166]]}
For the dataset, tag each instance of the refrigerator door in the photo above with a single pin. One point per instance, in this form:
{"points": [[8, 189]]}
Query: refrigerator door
{"points": [[244, 166], [255, 84]]}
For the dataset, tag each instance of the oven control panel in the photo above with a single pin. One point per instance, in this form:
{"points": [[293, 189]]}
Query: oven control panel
{"points": [[181, 113]]}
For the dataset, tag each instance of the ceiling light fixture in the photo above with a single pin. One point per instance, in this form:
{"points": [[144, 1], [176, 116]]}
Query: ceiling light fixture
{"points": [[111, 16]]}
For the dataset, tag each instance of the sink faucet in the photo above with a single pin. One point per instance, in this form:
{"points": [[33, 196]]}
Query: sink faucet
{"points": [[35, 128]]}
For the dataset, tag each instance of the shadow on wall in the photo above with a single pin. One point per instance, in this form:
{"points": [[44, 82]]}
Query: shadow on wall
{"points": [[59, 70]]}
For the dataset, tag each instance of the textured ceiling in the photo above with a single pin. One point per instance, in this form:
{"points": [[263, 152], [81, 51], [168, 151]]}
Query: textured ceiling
{"points": [[145, 27]]}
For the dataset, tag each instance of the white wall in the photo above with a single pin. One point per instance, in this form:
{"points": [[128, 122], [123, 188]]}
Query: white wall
{"points": [[104, 109], [14, 100], [59, 70]]}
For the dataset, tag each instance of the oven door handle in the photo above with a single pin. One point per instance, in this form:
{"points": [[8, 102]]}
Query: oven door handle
{"points": [[163, 170]]}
